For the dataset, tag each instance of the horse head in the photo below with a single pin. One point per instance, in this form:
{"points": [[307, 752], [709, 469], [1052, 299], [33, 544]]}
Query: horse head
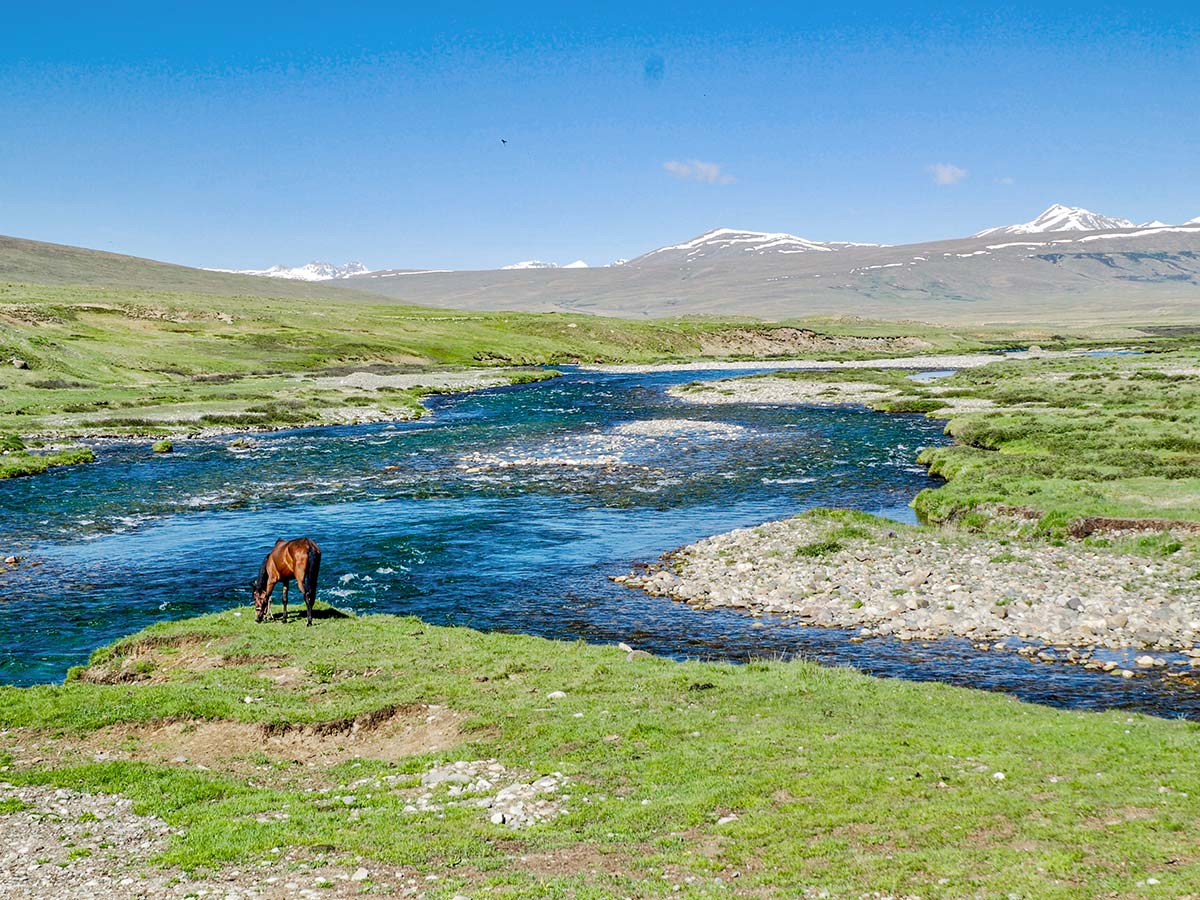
{"points": [[261, 601]]}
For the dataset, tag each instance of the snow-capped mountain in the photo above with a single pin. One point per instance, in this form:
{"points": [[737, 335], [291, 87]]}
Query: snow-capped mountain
{"points": [[729, 246], [313, 271], [539, 264], [1061, 218], [735, 241]]}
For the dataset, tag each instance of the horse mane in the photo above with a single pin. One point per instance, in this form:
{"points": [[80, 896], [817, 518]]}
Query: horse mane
{"points": [[260, 583]]}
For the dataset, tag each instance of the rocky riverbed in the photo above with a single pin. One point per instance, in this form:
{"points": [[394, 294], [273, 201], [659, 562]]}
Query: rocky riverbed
{"points": [[784, 391], [60, 844], [852, 571]]}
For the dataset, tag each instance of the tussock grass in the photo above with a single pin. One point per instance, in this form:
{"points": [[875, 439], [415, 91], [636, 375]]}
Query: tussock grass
{"points": [[1112, 437], [15, 464]]}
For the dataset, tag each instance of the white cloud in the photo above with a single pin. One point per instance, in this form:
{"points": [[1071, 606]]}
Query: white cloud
{"points": [[695, 170], [1007, 181], [946, 173]]}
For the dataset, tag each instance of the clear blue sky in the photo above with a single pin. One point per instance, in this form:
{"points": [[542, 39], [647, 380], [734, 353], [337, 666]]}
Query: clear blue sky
{"points": [[248, 134]]}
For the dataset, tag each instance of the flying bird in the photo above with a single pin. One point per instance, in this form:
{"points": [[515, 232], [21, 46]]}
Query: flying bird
{"points": [[503, 141]]}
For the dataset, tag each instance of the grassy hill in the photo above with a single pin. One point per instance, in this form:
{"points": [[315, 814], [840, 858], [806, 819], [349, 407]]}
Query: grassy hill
{"points": [[24, 261]]}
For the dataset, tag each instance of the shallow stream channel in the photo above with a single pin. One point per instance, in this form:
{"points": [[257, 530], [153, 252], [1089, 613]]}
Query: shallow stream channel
{"points": [[506, 509]]}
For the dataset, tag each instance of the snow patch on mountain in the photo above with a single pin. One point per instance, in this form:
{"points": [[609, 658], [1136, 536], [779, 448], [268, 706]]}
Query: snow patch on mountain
{"points": [[532, 264], [313, 271], [1061, 218]]}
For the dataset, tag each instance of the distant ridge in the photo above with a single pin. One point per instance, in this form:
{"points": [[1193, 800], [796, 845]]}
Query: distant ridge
{"points": [[1066, 265], [739, 241]]}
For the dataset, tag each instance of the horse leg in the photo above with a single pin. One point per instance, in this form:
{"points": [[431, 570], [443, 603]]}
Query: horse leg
{"points": [[285, 600], [308, 600]]}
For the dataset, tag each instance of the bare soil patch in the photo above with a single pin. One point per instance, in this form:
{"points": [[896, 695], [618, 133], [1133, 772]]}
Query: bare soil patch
{"points": [[154, 661], [578, 859], [389, 734]]}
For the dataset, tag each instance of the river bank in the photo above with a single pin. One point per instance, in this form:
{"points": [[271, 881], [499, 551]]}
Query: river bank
{"points": [[925, 361], [849, 570], [269, 760], [356, 397], [1056, 532]]}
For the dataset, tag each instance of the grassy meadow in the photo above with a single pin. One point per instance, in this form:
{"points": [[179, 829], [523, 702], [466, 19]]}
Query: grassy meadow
{"points": [[1050, 442], [1072, 438], [126, 361], [684, 779]]}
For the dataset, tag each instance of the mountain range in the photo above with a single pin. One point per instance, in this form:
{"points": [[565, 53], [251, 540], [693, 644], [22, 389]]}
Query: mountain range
{"points": [[1060, 268], [730, 242]]}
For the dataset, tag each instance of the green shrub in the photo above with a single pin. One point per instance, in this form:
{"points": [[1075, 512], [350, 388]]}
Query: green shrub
{"points": [[818, 548]]}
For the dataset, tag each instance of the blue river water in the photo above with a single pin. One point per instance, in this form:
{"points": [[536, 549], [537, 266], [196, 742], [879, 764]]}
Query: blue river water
{"points": [[507, 509]]}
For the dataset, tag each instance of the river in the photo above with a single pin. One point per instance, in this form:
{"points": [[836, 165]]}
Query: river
{"points": [[506, 509]]}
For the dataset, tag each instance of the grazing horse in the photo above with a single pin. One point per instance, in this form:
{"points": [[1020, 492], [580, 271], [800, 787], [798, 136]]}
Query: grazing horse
{"points": [[299, 559]]}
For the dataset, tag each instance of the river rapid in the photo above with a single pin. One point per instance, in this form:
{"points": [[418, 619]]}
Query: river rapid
{"points": [[506, 509]]}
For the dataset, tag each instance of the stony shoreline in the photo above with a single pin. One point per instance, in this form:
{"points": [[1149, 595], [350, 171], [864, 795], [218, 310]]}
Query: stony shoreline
{"points": [[62, 844], [784, 391], [848, 570]]}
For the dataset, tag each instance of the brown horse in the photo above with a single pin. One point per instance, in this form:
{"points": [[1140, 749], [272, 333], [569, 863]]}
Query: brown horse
{"points": [[299, 559]]}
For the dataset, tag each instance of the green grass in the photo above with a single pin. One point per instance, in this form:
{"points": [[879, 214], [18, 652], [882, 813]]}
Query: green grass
{"points": [[1077, 437], [817, 549], [15, 464], [839, 782], [1068, 438]]}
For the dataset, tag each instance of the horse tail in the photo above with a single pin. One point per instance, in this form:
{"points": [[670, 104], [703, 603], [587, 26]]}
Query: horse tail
{"points": [[311, 571]]}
